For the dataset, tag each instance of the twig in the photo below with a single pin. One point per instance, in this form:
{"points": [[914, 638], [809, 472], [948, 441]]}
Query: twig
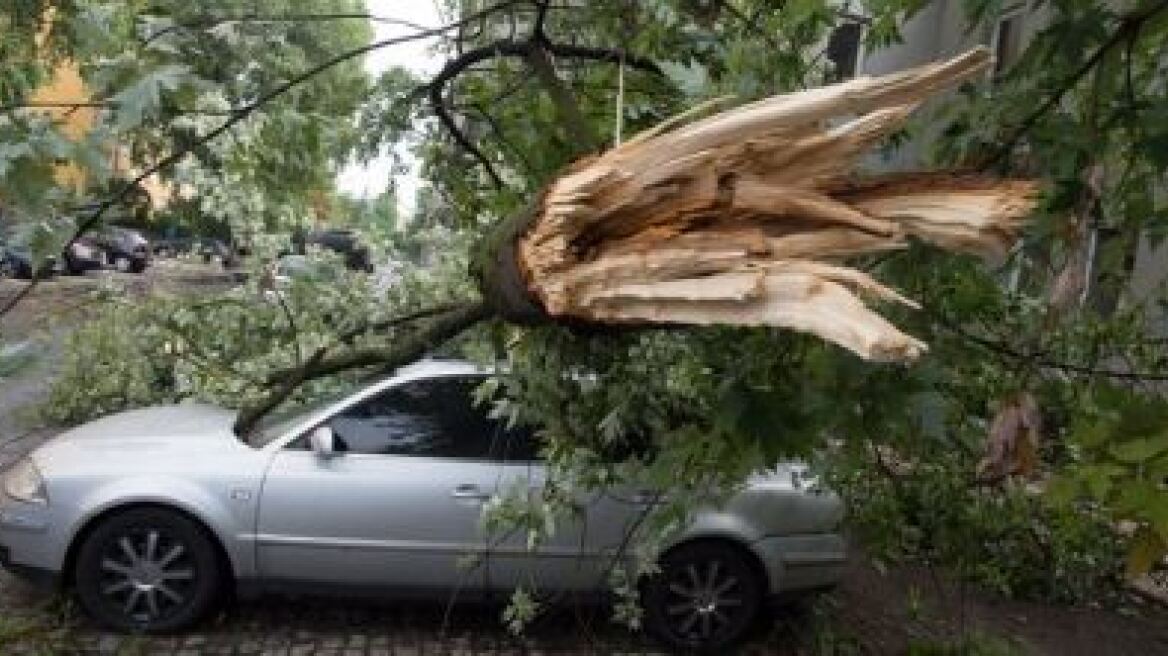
{"points": [[1038, 358], [438, 104], [283, 302], [19, 296], [435, 88], [207, 22], [501, 136]]}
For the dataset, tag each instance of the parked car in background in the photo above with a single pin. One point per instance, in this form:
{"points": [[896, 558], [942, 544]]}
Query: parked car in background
{"points": [[343, 241], [290, 268], [124, 249], [84, 254], [302, 267], [210, 249], [171, 246], [16, 261], [153, 515], [16, 256]]}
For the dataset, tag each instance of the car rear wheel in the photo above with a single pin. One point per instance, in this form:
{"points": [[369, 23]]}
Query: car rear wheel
{"points": [[148, 570], [706, 597]]}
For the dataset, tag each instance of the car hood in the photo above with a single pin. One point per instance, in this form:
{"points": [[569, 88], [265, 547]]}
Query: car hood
{"points": [[191, 427]]}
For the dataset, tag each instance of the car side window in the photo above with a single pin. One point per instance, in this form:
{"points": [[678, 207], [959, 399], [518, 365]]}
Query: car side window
{"points": [[433, 418]]}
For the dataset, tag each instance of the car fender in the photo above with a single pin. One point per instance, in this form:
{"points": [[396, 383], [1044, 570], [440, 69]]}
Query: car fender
{"points": [[231, 526], [711, 523]]}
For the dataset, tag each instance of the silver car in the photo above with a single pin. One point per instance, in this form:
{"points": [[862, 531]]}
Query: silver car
{"points": [[149, 515]]}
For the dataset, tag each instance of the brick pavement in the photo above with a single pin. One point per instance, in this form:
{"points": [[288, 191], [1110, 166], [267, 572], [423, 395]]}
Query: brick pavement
{"points": [[315, 627]]}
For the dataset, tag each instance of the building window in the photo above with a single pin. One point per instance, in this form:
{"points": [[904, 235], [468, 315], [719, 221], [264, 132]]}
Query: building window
{"points": [[844, 50], [1007, 42]]}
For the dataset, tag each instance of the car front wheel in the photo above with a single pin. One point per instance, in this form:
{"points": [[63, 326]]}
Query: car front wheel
{"points": [[705, 598], [148, 570]]}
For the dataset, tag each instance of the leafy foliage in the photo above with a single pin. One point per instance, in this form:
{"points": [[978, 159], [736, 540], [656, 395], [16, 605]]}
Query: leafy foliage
{"points": [[222, 348], [1119, 463]]}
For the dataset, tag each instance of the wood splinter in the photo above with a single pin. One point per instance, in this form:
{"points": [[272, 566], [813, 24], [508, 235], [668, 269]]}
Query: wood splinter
{"points": [[744, 218]]}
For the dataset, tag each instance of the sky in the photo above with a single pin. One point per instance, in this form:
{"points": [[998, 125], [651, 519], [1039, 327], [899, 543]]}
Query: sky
{"points": [[373, 179]]}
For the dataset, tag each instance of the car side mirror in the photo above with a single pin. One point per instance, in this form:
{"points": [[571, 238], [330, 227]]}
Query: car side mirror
{"points": [[323, 441]]}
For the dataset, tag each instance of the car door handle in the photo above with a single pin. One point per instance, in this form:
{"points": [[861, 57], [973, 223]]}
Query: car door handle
{"points": [[470, 491]]}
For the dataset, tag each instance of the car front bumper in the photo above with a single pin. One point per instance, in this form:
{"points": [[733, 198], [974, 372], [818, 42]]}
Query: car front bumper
{"points": [[25, 541], [803, 562]]}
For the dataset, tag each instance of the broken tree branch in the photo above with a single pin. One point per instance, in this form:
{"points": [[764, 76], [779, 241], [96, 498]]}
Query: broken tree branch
{"points": [[727, 220], [741, 218], [440, 329]]}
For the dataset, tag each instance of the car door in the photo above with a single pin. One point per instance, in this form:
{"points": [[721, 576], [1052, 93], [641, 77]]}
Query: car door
{"points": [[397, 506], [579, 554]]}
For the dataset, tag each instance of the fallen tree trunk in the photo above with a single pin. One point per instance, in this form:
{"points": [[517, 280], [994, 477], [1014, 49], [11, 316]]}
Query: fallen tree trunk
{"points": [[741, 218]]}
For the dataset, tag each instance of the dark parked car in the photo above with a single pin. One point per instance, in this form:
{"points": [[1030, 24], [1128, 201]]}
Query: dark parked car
{"points": [[345, 242], [16, 261], [209, 248], [16, 258], [125, 249], [84, 254], [171, 246]]}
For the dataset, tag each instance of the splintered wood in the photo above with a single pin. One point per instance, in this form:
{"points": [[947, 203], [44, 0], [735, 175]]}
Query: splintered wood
{"points": [[742, 218]]}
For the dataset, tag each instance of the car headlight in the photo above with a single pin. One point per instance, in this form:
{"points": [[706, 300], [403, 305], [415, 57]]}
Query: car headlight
{"points": [[24, 483]]}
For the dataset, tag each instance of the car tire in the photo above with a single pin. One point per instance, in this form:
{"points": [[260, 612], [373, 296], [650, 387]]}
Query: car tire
{"points": [[148, 570], [138, 266], [706, 598]]}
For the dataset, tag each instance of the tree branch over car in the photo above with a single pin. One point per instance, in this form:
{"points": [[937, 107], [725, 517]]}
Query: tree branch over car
{"points": [[726, 220]]}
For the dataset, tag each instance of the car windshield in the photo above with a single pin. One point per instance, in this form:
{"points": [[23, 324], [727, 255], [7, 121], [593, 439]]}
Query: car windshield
{"points": [[277, 423]]}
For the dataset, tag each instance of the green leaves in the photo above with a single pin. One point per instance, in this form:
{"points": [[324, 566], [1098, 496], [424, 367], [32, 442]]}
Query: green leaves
{"points": [[143, 97], [1122, 464], [1138, 451], [1147, 548]]}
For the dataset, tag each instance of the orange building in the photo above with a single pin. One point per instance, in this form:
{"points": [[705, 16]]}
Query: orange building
{"points": [[63, 100]]}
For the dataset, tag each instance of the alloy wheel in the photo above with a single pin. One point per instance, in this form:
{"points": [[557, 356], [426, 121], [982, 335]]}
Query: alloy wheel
{"points": [[148, 573], [704, 599]]}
